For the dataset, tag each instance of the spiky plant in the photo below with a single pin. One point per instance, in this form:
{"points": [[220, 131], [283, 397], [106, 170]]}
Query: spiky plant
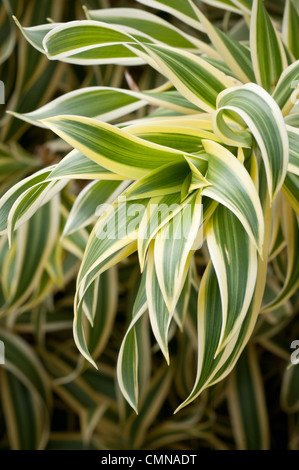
{"points": [[217, 151]]}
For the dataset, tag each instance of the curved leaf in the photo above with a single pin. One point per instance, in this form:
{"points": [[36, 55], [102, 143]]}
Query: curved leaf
{"points": [[173, 246], [235, 54], [231, 185], [264, 119], [267, 52], [247, 403], [197, 80], [235, 262], [113, 148]]}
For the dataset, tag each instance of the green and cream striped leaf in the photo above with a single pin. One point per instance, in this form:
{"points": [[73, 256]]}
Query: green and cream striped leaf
{"points": [[105, 264], [10, 197], [291, 190], [198, 121], [213, 365], [30, 201], [78, 323], [292, 119], [128, 356], [278, 242], [209, 322], [104, 103], [24, 378], [287, 88], [211, 368], [229, 5], [159, 211], [178, 8], [88, 42], [173, 247], [184, 377], [36, 77], [238, 342], [168, 100], [79, 330], [159, 315], [21, 361], [197, 80], [165, 96], [8, 262], [182, 306], [100, 306], [113, 148], [247, 403], [112, 239], [235, 54], [265, 121], [177, 135], [231, 185], [291, 235], [91, 202], [115, 229], [75, 165], [221, 65], [54, 265], [144, 349], [267, 52], [35, 34], [165, 180], [234, 259], [293, 135], [8, 32], [21, 407], [245, 5], [34, 243], [157, 392], [290, 27], [198, 167], [171, 100], [151, 25]]}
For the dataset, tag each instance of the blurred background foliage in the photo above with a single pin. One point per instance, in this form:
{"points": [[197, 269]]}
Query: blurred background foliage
{"points": [[50, 398]]}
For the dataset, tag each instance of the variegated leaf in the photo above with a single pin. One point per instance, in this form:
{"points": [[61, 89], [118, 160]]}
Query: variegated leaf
{"points": [[267, 51], [247, 403], [197, 80], [235, 262], [265, 121], [235, 54], [290, 26], [173, 248], [111, 147]]}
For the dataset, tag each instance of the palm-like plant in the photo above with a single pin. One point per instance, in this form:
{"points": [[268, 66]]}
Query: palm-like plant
{"points": [[219, 141]]}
